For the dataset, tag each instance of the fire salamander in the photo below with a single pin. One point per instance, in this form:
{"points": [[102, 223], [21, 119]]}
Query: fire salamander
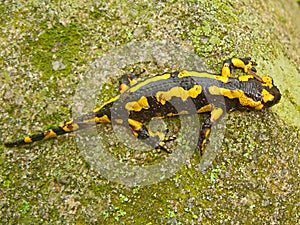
{"points": [[171, 94]]}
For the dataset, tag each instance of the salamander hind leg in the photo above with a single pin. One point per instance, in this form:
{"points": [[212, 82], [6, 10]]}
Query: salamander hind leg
{"points": [[205, 130], [204, 134], [162, 141]]}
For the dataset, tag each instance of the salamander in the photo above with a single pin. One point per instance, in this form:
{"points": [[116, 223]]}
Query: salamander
{"points": [[172, 94]]}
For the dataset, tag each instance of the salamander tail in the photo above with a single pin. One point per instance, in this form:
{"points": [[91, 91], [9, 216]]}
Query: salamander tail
{"points": [[66, 127]]}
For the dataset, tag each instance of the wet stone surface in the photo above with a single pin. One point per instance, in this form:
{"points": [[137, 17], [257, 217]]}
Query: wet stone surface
{"points": [[47, 48]]}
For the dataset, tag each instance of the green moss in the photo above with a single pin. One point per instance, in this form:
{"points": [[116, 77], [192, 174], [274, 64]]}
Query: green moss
{"points": [[57, 43], [25, 207], [212, 33]]}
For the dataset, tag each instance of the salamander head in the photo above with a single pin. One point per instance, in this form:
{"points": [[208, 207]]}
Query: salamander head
{"points": [[270, 93]]}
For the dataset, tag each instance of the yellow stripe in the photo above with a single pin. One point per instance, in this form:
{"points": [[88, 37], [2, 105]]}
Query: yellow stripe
{"points": [[110, 101], [186, 73], [150, 80]]}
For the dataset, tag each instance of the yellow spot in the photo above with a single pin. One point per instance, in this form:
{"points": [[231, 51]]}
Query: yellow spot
{"points": [[206, 133], [27, 139], [75, 126], [267, 96], [133, 81], [171, 114], [136, 125], [160, 135], [162, 143], [150, 80], [226, 70], [109, 101], [268, 81], [135, 133], [259, 107], [206, 108], [164, 96], [123, 87], [183, 112], [142, 103], [216, 114], [240, 64], [102, 119], [119, 121], [195, 91], [49, 134], [186, 73], [243, 99], [69, 126], [64, 127], [245, 78]]}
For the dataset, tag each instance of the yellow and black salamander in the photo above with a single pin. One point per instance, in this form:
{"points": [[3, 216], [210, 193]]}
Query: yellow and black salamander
{"points": [[171, 94]]}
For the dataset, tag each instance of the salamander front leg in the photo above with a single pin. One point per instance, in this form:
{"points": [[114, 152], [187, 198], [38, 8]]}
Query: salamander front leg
{"points": [[129, 79], [242, 63]]}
